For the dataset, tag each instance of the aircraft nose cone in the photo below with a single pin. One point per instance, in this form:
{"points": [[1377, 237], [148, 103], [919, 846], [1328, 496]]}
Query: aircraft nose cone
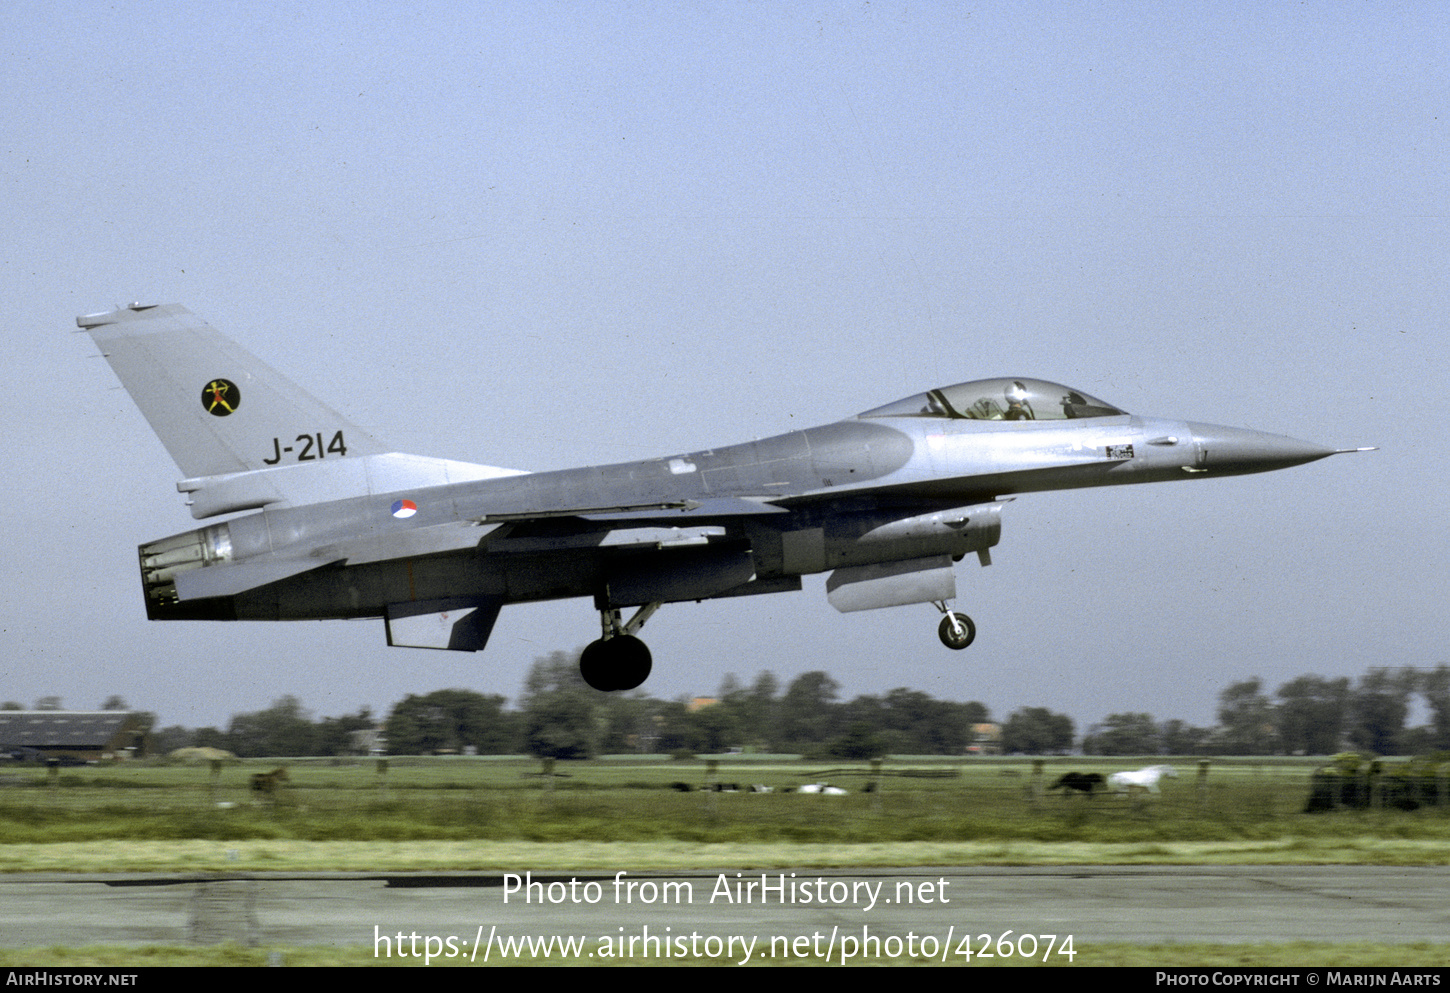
{"points": [[1238, 450]]}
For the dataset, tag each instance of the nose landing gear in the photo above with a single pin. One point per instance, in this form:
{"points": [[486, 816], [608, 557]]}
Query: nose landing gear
{"points": [[618, 660], [956, 630]]}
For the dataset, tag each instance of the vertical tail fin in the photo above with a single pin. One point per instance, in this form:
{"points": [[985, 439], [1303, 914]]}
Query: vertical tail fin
{"points": [[217, 408], [243, 434]]}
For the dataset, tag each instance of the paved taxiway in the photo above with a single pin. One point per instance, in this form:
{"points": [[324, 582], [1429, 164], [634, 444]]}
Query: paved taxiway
{"points": [[1141, 904]]}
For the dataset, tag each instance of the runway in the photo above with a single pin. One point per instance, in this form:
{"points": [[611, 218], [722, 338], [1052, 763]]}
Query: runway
{"points": [[790, 913]]}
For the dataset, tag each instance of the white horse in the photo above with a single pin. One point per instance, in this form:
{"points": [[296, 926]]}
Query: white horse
{"points": [[1145, 779], [825, 789]]}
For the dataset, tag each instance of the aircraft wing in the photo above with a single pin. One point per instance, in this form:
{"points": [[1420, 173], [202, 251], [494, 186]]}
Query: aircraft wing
{"points": [[952, 491], [670, 511], [661, 524]]}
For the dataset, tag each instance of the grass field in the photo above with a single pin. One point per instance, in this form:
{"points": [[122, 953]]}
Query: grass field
{"points": [[476, 814], [982, 811]]}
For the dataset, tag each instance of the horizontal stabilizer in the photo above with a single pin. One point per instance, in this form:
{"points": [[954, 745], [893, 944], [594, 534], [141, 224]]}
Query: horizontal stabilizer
{"points": [[450, 536], [318, 482], [229, 580]]}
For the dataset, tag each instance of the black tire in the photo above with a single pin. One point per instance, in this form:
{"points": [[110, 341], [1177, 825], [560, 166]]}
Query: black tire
{"points": [[619, 663], [595, 667], [632, 662], [950, 638]]}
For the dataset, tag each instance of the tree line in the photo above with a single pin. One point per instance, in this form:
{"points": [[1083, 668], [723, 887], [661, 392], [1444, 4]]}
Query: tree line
{"points": [[559, 715]]}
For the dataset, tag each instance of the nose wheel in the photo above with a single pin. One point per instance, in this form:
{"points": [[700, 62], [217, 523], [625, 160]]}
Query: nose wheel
{"points": [[956, 629]]}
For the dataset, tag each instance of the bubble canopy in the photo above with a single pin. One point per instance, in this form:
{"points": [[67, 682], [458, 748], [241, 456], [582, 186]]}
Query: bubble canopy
{"points": [[1010, 399]]}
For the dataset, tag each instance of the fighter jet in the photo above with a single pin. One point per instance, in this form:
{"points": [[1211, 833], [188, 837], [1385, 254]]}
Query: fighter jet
{"points": [[333, 523]]}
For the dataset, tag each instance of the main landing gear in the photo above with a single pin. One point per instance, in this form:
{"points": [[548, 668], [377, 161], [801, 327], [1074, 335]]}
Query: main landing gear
{"points": [[618, 660], [956, 630]]}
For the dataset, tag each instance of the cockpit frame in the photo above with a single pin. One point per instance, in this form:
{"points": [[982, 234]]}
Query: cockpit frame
{"points": [[1006, 399]]}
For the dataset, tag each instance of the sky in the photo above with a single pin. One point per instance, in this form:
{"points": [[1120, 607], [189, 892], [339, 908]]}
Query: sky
{"points": [[542, 235]]}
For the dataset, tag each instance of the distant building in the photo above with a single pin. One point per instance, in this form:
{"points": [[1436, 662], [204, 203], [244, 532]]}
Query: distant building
{"points": [[986, 740], [84, 735], [370, 741]]}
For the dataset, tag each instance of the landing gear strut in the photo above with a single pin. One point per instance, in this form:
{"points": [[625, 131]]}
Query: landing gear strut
{"points": [[956, 630], [618, 660]]}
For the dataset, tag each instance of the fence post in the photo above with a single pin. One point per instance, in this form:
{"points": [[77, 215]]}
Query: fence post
{"points": [[712, 787]]}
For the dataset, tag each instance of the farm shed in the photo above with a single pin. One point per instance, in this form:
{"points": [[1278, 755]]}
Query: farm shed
{"points": [[72, 734]]}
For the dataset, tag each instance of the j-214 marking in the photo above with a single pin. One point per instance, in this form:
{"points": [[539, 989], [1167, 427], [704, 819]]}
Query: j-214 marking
{"points": [[310, 443]]}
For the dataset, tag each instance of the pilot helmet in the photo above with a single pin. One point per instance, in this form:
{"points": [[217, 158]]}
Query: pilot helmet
{"points": [[1016, 393]]}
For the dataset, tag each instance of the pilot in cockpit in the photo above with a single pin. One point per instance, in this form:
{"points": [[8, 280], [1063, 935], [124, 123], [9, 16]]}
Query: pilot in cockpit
{"points": [[1018, 409]]}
